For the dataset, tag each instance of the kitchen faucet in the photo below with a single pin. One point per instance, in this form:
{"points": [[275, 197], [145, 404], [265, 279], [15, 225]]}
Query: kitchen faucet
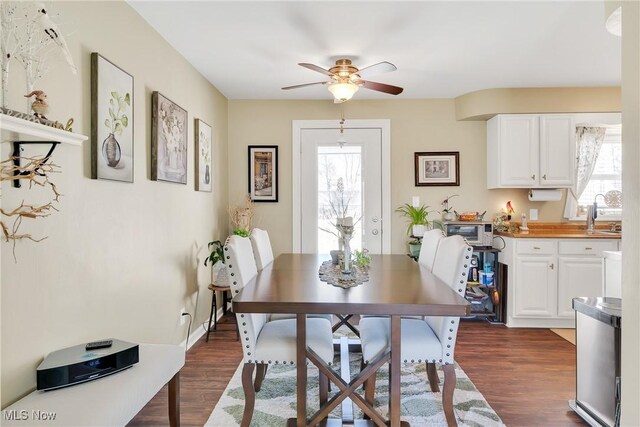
{"points": [[592, 214]]}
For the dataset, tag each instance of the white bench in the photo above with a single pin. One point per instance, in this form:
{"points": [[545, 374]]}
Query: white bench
{"points": [[110, 401]]}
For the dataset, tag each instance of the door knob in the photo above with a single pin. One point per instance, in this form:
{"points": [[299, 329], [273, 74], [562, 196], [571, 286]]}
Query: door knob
{"points": [[374, 232], [375, 219]]}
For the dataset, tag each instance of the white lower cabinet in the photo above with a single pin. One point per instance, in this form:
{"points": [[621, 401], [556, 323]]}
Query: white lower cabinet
{"points": [[544, 275], [578, 276], [537, 284]]}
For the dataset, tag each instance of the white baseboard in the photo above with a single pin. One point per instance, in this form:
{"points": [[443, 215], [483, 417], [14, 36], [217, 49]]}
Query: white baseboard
{"points": [[198, 331]]}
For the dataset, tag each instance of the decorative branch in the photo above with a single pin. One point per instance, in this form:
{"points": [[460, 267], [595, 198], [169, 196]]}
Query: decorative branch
{"points": [[34, 170]]}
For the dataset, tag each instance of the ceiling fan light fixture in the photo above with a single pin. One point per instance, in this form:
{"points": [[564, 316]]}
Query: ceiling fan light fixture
{"points": [[343, 91]]}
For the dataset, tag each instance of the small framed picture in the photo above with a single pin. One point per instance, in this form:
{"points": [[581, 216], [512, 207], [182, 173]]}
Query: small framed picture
{"points": [[263, 173], [168, 140], [111, 121], [203, 156], [437, 168]]}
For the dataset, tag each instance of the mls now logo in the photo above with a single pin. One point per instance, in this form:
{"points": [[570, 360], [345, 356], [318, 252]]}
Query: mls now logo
{"points": [[15, 415]]}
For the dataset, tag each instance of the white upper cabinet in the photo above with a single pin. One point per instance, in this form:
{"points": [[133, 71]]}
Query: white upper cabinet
{"points": [[530, 151]]}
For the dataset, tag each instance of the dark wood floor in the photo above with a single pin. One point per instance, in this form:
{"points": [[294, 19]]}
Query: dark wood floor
{"points": [[526, 375]]}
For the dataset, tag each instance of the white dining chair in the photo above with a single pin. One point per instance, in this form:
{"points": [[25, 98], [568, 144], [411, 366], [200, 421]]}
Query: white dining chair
{"points": [[261, 244], [431, 340], [430, 242], [266, 342]]}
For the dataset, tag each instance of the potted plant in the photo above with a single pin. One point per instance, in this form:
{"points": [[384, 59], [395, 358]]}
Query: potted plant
{"points": [[418, 218], [414, 247], [241, 217], [219, 274], [447, 211]]}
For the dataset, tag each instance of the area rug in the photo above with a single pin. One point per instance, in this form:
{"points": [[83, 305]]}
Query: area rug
{"points": [[275, 402]]}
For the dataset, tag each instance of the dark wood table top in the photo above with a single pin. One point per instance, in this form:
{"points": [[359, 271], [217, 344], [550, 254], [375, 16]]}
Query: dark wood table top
{"points": [[397, 286]]}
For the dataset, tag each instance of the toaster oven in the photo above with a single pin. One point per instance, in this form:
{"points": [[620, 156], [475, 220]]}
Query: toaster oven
{"points": [[476, 233]]}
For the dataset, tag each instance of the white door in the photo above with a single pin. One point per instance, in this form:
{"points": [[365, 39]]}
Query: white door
{"points": [[340, 180], [577, 277]]}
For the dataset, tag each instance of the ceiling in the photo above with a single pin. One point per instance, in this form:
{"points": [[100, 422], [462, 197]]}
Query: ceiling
{"points": [[249, 50]]}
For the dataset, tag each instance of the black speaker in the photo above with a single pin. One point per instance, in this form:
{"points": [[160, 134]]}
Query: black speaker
{"points": [[74, 365]]}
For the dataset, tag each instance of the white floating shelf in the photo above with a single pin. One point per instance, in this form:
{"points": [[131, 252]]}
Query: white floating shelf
{"points": [[16, 129]]}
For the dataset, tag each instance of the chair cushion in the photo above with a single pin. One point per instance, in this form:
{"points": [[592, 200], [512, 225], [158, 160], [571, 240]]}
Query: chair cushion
{"points": [[277, 341], [418, 342], [282, 316]]}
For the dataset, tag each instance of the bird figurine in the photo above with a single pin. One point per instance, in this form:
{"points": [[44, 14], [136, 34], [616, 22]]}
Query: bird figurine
{"points": [[53, 32], [39, 106]]}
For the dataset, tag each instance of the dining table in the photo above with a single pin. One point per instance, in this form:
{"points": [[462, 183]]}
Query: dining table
{"points": [[396, 286]]}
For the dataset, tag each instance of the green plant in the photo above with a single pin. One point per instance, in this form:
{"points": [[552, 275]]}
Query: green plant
{"points": [[242, 232], [117, 107], [417, 215], [362, 257], [217, 253]]}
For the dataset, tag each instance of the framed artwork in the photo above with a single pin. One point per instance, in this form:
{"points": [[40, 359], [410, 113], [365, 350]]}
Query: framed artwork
{"points": [[203, 156], [263, 173], [168, 140], [111, 121], [437, 168]]}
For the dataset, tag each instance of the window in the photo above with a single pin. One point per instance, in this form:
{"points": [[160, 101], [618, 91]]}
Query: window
{"points": [[607, 176]]}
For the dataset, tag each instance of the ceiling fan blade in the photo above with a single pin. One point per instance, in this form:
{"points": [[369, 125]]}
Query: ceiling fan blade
{"points": [[381, 87], [303, 85], [316, 68], [380, 67]]}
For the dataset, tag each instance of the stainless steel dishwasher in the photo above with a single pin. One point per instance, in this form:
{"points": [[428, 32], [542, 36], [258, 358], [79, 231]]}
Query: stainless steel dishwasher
{"points": [[598, 331]]}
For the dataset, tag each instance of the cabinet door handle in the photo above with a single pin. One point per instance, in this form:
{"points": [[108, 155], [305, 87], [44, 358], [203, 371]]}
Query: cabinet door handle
{"points": [[544, 176], [588, 248], [536, 248], [533, 176], [551, 266]]}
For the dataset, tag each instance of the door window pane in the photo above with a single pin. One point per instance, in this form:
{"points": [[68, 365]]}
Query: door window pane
{"points": [[339, 193]]}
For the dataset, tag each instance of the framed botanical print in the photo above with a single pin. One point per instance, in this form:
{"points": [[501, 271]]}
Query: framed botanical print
{"points": [[168, 140], [203, 156], [111, 121], [437, 168], [263, 173]]}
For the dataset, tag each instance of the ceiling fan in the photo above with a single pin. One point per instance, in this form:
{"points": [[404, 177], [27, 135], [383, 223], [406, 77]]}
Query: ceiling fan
{"points": [[346, 79]]}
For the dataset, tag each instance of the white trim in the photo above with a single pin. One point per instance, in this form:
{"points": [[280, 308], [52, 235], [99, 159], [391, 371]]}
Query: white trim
{"points": [[385, 128], [196, 334]]}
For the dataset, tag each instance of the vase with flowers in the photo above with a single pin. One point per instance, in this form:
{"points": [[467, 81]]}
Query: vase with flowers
{"points": [[341, 217]]}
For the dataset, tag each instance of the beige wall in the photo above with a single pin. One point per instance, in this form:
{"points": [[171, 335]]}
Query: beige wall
{"points": [[484, 104], [631, 213], [121, 259], [416, 125]]}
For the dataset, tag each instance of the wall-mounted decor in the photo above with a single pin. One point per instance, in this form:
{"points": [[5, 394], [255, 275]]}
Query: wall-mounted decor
{"points": [[437, 168], [263, 173], [203, 156], [168, 140], [111, 121]]}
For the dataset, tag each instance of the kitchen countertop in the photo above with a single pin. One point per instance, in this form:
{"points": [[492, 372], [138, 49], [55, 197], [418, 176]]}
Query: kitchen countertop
{"points": [[557, 230]]}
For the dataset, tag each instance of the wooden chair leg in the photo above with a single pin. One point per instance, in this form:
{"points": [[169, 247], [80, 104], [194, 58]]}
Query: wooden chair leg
{"points": [[261, 371], [324, 388], [447, 394], [249, 394], [370, 389], [432, 375]]}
